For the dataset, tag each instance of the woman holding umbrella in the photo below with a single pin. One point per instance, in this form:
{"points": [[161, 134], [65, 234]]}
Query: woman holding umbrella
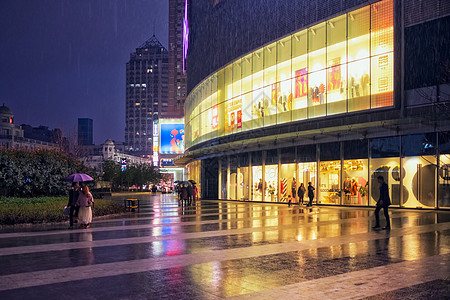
{"points": [[85, 200], [74, 198]]}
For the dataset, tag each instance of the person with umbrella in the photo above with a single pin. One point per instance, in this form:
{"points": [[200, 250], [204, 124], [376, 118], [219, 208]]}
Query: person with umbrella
{"points": [[74, 194], [73, 197], [84, 202]]}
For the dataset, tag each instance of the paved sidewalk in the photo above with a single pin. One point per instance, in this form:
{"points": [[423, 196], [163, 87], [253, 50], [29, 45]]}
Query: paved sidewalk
{"points": [[215, 250]]}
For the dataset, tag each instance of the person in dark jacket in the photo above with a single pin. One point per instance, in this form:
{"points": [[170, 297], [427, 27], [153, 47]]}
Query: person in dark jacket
{"points": [[301, 193], [384, 203], [311, 190], [190, 190], [73, 198]]}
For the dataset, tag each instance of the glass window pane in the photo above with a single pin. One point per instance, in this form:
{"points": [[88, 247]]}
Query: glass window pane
{"points": [[223, 177], [382, 27], [258, 63], [299, 53], [444, 181], [270, 104], [228, 82], [270, 60], [258, 108], [284, 59], [300, 95], [247, 73], [247, 108], [329, 189], [236, 78], [271, 180], [316, 94], [385, 147], [382, 80], [419, 144], [359, 34], [316, 47], [288, 183], [284, 102], [337, 41], [355, 184], [336, 93], [389, 168], [359, 85], [233, 115], [257, 185], [419, 181]]}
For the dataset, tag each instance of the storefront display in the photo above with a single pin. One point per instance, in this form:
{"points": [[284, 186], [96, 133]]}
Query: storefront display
{"points": [[329, 188], [444, 181], [257, 183], [288, 182], [389, 168], [355, 184], [271, 178], [419, 189]]}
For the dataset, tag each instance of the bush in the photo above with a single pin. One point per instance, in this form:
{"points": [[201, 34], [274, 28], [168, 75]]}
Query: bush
{"points": [[32, 173], [47, 209]]}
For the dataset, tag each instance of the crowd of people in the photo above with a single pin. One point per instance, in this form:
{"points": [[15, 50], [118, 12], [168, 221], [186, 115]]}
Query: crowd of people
{"points": [[187, 192]]}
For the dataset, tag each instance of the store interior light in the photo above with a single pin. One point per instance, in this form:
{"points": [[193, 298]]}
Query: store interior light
{"points": [[282, 44], [331, 24], [351, 17], [313, 31]]}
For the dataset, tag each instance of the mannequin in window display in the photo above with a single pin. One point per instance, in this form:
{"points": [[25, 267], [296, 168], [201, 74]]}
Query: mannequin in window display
{"points": [[321, 93], [289, 101], [365, 84], [347, 188], [294, 188]]}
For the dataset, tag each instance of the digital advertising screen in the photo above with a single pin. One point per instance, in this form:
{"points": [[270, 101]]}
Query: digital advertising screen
{"points": [[172, 138]]}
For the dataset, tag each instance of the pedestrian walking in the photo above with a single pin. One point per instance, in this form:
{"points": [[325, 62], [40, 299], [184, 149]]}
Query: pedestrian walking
{"points": [[301, 193], [311, 190], [383, 202], [190, 190], [294, 189], [195, 193], [84, 202], [184, 193], [73, 209]]}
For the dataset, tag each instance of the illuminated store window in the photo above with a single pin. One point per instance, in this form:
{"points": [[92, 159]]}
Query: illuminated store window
{"points": [[247, 73], [300, 75], [359, 34], [270, 61], [358, 85], [317, 97], [355, 182], [382, 80], [284, 59], [271, 178], [228, 82], [233, 178], [329, 189], [233, 115], [419, 166], [257, 176], [223, 177], [284, 102], [382, 27], [444, 170], [270, 103], [385, 161], [288, 178], [258, 63], [307, 172], [316, 48], [247, 111], [259, 110], [337, 41], [336, 92], [243, 178]]}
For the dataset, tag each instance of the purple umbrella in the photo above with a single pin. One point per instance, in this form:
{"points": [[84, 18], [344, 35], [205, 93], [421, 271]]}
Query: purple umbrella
{"points": [[79, 177]]}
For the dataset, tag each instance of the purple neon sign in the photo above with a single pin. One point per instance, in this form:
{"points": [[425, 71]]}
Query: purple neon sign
{"points": [[185, 35]]}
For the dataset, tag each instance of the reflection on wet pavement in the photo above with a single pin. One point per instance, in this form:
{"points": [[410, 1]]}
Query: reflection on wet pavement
{"points": [[215, 249]]}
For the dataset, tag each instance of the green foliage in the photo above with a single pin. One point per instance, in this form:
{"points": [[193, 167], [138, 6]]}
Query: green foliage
{"points": [[33, 173], [134, 174], [47, 209]]}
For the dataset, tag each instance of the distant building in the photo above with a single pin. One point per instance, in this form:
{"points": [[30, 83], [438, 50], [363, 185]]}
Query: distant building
{"points": [[94, 156], [178, 35], [12, 135], [146, 95], [85, 131]]}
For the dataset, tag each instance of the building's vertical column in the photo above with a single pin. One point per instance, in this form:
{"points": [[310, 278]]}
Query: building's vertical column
{"points": [[436, 175], [228, 178], [318, 173], [263, 175], [401, 176], [297, 175], [278, 176], [250, 177], [341, 175], [369, 178], [219, 161]]}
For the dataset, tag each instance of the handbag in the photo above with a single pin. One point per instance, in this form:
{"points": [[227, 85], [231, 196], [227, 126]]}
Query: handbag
{"points": [[66, 211]]}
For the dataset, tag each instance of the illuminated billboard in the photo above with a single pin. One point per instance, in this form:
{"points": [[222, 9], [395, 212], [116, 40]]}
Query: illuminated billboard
{"points": [[172, 138]]}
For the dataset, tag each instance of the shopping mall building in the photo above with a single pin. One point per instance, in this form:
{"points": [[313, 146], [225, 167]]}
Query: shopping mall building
{"points": [[331, 92]]}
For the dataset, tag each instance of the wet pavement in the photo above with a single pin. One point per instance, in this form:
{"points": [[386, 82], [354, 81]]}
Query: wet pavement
{"points": [[215, 250]]}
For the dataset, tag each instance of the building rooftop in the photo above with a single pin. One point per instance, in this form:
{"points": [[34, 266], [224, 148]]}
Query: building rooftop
{"points": [[5, 110], [152, 42]]}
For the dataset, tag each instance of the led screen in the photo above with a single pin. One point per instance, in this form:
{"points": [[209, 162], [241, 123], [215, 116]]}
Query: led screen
{"points": [[172, 138]]}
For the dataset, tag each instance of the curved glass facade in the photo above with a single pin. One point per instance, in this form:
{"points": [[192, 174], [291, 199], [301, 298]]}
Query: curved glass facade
{"points": [[342, 65]]}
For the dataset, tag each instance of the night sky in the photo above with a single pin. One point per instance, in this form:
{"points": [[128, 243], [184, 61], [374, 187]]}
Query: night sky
{"points": [[65, 59]]}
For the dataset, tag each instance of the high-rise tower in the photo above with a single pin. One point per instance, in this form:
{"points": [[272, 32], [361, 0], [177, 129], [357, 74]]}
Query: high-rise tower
{"points": [[146, 95], [178, 34]]}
